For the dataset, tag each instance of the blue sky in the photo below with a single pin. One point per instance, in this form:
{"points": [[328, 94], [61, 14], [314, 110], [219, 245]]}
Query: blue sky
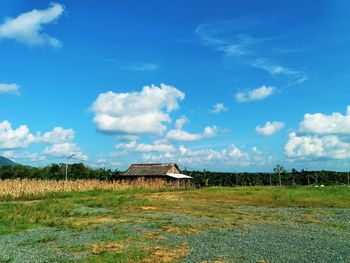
{"points": [[219, 85]]}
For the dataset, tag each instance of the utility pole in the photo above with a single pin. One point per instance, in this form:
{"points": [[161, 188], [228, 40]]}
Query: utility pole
{"points": [[348, 179], [69, 157]]}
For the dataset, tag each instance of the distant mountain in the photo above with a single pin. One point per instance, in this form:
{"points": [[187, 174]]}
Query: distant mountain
{"points": [[6, 162]]}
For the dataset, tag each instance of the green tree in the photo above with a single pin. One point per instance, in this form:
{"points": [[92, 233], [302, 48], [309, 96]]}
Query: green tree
{"points": [[279, 169]]}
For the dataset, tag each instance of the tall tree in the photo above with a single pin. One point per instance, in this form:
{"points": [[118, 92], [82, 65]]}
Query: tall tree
{"points": [[279, 169]]}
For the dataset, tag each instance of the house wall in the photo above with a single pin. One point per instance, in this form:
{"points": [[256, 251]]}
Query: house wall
{"points": [[167, 181]]}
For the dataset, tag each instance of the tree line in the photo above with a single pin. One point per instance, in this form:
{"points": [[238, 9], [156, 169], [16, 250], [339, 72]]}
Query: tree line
{"points": [[76, 171], [279, 176]]}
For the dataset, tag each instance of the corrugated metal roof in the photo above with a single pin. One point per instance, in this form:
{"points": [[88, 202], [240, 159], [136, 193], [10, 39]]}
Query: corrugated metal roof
{"points": [[149, 169]]}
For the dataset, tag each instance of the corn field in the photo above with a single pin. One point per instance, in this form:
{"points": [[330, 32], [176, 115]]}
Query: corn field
{"points": [[21, 187]]}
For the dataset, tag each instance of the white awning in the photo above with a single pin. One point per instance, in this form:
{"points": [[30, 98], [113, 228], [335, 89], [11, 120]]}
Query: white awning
{"points": [[179, 176]]}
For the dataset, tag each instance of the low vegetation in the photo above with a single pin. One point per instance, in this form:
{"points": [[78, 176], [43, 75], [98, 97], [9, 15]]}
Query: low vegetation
{"points": [[216, 224], [280, 176], [28, 187]]}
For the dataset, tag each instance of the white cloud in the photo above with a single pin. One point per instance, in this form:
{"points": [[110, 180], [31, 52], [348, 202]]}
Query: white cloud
{"points": [[58, 135], [136, 112], [154, 147], [219, 107], [27, 27], [181, 122], [59, 140], [181, 135], [103, 163], [270, 128], [166, 157], [61, 143], [272, 68], [318, 123], [210, 131], [226, 37], [143, 147], [315, 146], [296, 76], [228, 157], [178, 134], [14, 138], [65, 149], [255, 94], [23, 156], [322, 137], [9, 88]]}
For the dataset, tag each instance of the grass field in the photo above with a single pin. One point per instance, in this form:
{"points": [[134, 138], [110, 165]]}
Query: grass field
{"points": [[244, 224]]}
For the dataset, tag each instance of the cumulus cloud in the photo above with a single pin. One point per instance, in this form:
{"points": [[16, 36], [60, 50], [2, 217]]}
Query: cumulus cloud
{"points": [[143, 147], [321, 137], [180, 122], [27, 27], [27, 156], [65, 149], [181, 135], [230, 156], [61, 143], [318, 123], [315, 146], [58, 135], [270, 128], [104, 162], [136, 112], [9, 88], [255, 94], [11, 138], [219, 107], [178, 134]]}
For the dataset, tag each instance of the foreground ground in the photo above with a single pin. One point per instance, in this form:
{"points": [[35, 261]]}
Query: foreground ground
{"points": [[255, 224]]}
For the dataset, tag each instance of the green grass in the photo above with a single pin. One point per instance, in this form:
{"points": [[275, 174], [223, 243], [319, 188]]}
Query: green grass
{"points": [[155, 226]]}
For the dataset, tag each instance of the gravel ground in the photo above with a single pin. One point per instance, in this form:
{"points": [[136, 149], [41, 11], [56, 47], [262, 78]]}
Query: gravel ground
{"points": [[277, 235], [53, 245], [274, 243]]}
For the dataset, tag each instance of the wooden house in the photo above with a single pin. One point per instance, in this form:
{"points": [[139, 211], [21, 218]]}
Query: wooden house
{"points": [[167, 172]]}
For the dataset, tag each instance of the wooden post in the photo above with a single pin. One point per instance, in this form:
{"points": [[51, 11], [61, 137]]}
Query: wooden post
{"points": [[348, 179], [236, 179]]}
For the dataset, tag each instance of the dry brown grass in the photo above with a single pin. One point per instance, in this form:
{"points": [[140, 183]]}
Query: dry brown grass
{"points": [[21, 187], [106, 247], [160, 254]]}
